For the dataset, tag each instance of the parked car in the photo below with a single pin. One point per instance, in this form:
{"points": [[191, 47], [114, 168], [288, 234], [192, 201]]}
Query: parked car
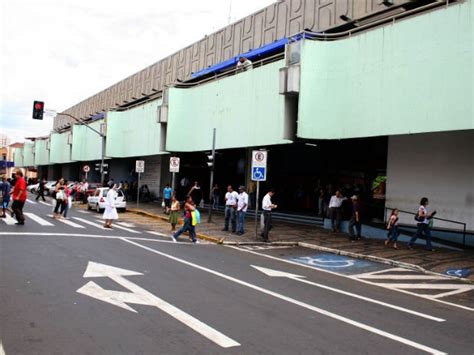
{"points": [[93, 186], [49, 187], [97, 200]]}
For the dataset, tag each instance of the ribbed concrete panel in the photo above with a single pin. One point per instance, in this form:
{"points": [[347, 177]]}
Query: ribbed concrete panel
{"points": [[274, 22]]}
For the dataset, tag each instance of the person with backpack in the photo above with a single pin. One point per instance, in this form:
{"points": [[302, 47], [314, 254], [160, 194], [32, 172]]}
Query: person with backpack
{"points": [[41, 184], [423, 217], [392, 227]]}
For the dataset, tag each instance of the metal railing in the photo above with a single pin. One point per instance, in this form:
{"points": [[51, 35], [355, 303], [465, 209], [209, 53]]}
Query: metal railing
{"points": [[462, 230]]}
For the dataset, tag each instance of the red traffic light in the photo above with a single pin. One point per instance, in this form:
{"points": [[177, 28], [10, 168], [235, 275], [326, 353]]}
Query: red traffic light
{"points": [[39, 106]]}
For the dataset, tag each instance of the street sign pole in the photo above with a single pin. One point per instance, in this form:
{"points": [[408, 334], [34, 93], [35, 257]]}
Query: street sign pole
{"points": [[256, 210], [174, 168], [173, 178], [138, 190]]}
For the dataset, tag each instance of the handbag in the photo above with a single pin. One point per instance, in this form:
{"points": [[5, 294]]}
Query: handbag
{"points": [[60, 195]]}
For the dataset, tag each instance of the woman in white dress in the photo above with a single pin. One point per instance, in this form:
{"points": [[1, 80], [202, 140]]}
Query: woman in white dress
{"points": [[110, 212]]}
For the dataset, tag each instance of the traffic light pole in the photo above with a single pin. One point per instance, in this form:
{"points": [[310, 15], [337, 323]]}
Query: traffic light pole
{"points": [[102, 175], [213, 167]]}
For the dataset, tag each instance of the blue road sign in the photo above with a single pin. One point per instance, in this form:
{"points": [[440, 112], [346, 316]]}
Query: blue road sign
{"points": [[259, 173], [458, 272]]}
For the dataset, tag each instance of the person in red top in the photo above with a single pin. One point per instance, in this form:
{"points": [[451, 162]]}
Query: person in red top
{"points": [[19, 197]]}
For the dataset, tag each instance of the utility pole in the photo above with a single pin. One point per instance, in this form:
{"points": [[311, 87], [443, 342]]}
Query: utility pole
{"points": [[212, 165]]}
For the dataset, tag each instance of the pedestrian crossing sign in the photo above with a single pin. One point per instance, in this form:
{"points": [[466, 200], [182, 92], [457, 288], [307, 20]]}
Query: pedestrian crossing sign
{"points": [[259, 173]]}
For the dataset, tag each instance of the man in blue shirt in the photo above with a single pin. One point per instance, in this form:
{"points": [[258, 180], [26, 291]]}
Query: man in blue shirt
{"points": [[167, 192], [5, 189]]}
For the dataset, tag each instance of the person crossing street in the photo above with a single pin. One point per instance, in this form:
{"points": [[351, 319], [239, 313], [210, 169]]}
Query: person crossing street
{"points": [[19, 197], [41, 185]]}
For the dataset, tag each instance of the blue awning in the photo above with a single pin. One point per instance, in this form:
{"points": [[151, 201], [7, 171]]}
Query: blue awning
{"points": [[254, 54]]}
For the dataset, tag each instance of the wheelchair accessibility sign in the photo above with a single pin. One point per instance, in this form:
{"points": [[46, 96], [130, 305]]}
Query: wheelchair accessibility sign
{"points": [[337, 263], [259, 174]]}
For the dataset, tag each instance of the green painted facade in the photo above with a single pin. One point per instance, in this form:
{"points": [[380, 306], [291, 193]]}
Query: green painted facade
{"points": [[28, 155], [41, 152], [135, 132], [413, 76], [60, 151], [86, 144], [18, 157], [246, 109]]}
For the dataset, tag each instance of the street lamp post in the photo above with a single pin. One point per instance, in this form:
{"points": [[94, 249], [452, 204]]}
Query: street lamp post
{"points": [[213, 167], [102, 135]]}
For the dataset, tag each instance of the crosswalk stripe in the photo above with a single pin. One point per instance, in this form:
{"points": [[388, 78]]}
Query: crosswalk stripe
{"points": [[403, 277], [89, 223], [126, 229], [9, 220], [32, 202], [84, 212], [45, 203], [125, 224], [69, 223], [38, 219], [157, 233]]}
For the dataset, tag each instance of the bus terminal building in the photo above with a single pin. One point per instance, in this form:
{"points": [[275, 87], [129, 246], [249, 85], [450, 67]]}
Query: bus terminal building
{"points": [[375, 98]]}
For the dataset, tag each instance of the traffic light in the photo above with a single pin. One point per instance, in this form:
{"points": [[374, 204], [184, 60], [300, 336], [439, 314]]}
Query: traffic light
{"points": [[38, 108], [210, 162]]}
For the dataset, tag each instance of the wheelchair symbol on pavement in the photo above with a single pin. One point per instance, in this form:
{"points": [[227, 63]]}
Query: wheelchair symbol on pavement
{"points": [[258, 174], [328, 263]]}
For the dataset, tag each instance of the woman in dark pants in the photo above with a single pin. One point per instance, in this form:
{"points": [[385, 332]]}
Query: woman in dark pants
{"points": [[423, 225]]}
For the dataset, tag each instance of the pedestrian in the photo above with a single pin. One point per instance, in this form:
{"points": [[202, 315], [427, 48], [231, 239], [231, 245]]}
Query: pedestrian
{"points": [[84, 188], [423, 218], [6, 189], [392, 227], [67, 203], [267, 207], [335, 209], [230, 208], [126, 188], [111, 183], [244, 64], [196, 193], [110, 212], [355, 221], [174, 213], [322, 202], [41, 184], [167, 192], [242, 206], [19, 197], [216, 196], [189, 207], [60, 197]]}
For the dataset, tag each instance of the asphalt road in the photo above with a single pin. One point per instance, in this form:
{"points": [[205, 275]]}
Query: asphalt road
{"points": [[79, 289]]}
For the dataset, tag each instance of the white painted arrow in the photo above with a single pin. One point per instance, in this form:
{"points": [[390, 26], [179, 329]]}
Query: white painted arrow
{"points": [[276, 273], [138, 295]]}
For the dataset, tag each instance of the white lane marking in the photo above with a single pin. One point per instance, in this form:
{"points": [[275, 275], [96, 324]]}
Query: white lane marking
{"points": [[9, 220], [93, 236], [38, 219], [429, 286], [115, 225], [348, 277], [295, 302], [81, 211], [401, 277], [32, 202], [2, 352], [445, 294], [157, 233], [90, 223], [299, 278], [69, 223], [45, 203], [397, 269], [139, 295], [125, 224]]}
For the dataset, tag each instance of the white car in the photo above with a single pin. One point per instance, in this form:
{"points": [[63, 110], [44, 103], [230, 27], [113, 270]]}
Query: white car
{"points": [[97, 200], [32, 188], [49, 187]]}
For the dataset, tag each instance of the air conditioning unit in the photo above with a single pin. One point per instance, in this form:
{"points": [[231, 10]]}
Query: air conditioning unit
{"points": [[165, 97], [290, 80], [103, 129], [48, 144], [69, 139], [293, 53]]}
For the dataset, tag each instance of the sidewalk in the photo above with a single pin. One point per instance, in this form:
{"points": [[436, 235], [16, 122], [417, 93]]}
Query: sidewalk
{"points": [[318, 238]]}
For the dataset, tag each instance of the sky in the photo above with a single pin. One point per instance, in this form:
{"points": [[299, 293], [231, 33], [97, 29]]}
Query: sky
{"points": [[64, 51]]}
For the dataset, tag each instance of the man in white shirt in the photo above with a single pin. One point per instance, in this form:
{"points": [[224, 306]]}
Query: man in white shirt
{"points": [[231, 198], [242, 205], [244, 64], [267, 207], [335, 209], [83, 189]]}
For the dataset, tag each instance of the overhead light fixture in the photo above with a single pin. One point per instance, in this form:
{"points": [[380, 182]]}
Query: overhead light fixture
{"points": [[311, 144], [345, 18]]}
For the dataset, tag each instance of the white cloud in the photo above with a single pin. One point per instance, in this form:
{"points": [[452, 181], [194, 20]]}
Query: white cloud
{"points": [[63, 51]]}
